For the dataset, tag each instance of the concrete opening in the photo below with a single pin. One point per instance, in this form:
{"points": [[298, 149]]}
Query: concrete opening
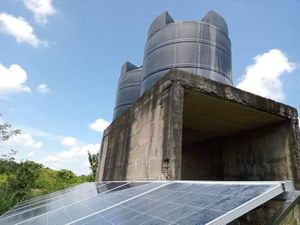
{"points": [[223, 140]]}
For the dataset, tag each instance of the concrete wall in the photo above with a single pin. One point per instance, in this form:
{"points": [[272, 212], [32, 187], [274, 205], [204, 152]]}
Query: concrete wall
{"points": [[202, 161], [259, 154], [136, 147]]}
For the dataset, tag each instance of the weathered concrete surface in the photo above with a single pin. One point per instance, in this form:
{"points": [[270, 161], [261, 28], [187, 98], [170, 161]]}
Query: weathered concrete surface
{"points": [[132, 146], [189, 127], [259, 154]]}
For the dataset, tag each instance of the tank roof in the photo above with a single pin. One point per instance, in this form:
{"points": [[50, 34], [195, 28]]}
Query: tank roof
{"points": [[216, 19], [160, 21], [127, 66]]}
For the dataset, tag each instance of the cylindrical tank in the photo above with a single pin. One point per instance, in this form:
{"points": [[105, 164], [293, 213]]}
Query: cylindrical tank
{"points": [[128, 89], [199, 47]]}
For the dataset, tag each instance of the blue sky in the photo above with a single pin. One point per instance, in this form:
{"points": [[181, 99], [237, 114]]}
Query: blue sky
{"points": [[60, 62]]}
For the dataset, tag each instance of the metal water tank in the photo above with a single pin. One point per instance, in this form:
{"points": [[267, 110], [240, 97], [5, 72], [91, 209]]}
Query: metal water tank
{"points": [[128, 89], [199, 47]]}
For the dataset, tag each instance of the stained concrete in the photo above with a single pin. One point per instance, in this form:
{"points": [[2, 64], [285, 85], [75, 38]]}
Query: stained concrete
{"points": [[132, 146], [189, 127]]}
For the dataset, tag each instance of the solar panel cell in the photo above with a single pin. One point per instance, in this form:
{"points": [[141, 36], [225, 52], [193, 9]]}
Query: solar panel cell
{"points": [[123, 215], [155, 221], [57, 217], [138, 219], [78, 210], [38, 221], [179, 212], [200, 217], [228, 203], [97, 221]]}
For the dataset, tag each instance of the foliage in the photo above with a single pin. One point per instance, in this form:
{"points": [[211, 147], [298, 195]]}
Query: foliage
{"points": [[93, 159], [20, 181], [6, 131], [7, 163], [24, 180], [65, 175]]}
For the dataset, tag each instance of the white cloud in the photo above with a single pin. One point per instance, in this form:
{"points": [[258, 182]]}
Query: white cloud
{"points": [[20, 29], [99, 125], [40, 133], [31, 154], [21, 142], [41, 9], [75, 158], [42, 88], [69, 141], [263, 76], [12, 79], [52, 136]]}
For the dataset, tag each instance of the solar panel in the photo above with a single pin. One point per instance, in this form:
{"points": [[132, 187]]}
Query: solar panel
{"points": [[183, 203], [66, 190], [176, 202], [55, 194], [59, 202], [58, 199]]}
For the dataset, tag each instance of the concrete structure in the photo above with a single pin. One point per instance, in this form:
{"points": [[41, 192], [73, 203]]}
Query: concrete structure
{"points": [[189, 127]]}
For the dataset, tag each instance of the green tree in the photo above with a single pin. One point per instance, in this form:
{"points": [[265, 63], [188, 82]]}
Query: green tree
{"points": [[21, 181], [65, 175], [65, 178], [6, 131], [93, 160], [7, 163], [21, 184], [7, 167], [18, 186]]}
